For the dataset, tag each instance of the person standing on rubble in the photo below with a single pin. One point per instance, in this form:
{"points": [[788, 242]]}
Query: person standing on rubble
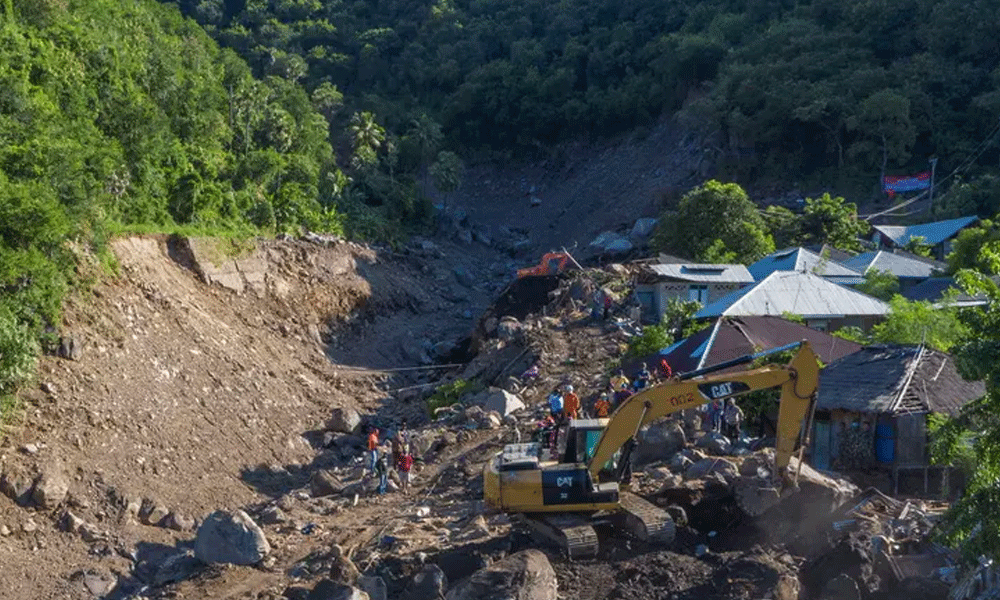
{"points": [[382, 470], [373, 449], [642, 379], [623, 393], [715, 410], [556, 404], [571, 404], [403, 465], [602, 407], [619, 381], [733, 417]]}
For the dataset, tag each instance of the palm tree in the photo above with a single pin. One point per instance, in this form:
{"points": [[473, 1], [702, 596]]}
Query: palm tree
{"points": [[368, 136], [427, 134]]}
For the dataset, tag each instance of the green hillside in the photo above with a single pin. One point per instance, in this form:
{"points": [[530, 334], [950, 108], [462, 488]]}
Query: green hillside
{"points": [[809, 90], [128, 116]]}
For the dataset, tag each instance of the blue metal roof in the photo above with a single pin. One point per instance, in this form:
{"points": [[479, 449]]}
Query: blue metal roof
{"points": [[801, 259], [933, 233], [901, 264]]}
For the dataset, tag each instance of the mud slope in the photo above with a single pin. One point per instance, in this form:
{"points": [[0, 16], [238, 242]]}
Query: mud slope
{"points": [[585, 188], [182, 388]]}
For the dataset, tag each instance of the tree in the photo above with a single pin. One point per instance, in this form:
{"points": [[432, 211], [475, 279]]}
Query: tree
{"points": [[829, 220], [886, 131], [328, 100], [652, 339], [367, 136], [966, 250], [425, 135], [973, 522], [880, 284], [711, 219], [678, 318], [918, 245], [784, 225], [447, 171], [909, 322]]}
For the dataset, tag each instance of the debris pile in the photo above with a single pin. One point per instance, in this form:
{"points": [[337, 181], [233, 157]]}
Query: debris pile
{"points": [[881, 545]]}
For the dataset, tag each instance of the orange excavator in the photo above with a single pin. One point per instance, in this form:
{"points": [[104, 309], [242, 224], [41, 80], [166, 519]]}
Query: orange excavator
{"points": [[552, 263]]}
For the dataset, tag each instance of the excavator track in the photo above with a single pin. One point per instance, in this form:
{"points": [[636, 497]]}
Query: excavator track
{"points": [[572, 533], [645, 520]]}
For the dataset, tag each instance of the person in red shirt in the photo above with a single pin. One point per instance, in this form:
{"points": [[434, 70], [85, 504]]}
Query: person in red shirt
{"points": [[665, 371], [571, 403], [403, 466], [373, 448]]}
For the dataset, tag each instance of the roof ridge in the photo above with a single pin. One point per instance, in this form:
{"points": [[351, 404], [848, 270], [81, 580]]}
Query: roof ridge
{"points": [[749, 290], [910, 372]]}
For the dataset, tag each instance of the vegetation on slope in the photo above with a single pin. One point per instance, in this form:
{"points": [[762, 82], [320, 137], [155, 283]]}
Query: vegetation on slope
{"points": [[813, 91], [126, 115]]}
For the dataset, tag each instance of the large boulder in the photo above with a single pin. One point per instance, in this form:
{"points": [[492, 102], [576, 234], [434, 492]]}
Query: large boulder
{"points": [[324, 483], [230, 538], [51, 488], [342, 569], [428, 584], [659, 441], [344, 420], [373, 586], [176, 567], [17, 487], [500, 401], [642, 229], [715, 443], [331, 590], [709, 466], [526, 575]]}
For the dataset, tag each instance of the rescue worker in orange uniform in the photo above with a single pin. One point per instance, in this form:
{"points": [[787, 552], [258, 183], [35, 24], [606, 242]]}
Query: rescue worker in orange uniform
{"points": [[571, 404], [602, 407]]}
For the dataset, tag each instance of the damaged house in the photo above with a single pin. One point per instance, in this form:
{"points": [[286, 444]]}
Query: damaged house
{"points": [[872, 413], [659, 283]]}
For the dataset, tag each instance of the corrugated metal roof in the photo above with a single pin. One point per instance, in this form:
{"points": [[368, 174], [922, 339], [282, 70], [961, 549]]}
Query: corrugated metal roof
{"points": [[797, 293], [935, 288], [703, 273], [801, 259], [900, 264], [896, 378], [933, 233], [732, 337]]}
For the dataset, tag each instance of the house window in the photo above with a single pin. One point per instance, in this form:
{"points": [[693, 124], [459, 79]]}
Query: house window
{"points": [[698, 293], [822, 325]]}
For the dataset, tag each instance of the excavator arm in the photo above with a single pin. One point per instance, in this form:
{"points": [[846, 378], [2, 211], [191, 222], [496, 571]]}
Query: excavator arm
{"points": [[798, 380]]}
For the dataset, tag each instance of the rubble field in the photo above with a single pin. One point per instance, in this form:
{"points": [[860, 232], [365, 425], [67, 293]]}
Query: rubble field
{"points": [[207, 440]]}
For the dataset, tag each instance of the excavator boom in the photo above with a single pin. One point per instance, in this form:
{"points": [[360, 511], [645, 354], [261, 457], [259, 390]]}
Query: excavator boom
{"points": [[798, 380]]}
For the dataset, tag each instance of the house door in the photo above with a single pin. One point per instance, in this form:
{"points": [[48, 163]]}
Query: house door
{"points": [[821, 445]]}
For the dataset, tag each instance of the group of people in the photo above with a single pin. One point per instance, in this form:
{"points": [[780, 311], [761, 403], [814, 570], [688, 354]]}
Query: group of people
{"points": [[720, 416], [725, 417], [397, 449], [565, 404]]}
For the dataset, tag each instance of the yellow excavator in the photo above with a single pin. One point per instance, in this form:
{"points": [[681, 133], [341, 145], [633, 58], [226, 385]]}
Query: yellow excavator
{"points": [[563, 492]]}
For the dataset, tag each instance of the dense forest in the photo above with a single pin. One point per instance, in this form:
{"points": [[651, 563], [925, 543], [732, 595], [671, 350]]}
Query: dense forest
{"points": [[823, 92], [127, 115]]}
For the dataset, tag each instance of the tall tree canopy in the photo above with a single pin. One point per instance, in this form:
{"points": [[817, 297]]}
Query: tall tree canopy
{"points": [[813, 90], [715, 222]]}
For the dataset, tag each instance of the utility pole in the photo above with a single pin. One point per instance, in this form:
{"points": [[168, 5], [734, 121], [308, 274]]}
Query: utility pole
{"points": [[933, 168]]}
